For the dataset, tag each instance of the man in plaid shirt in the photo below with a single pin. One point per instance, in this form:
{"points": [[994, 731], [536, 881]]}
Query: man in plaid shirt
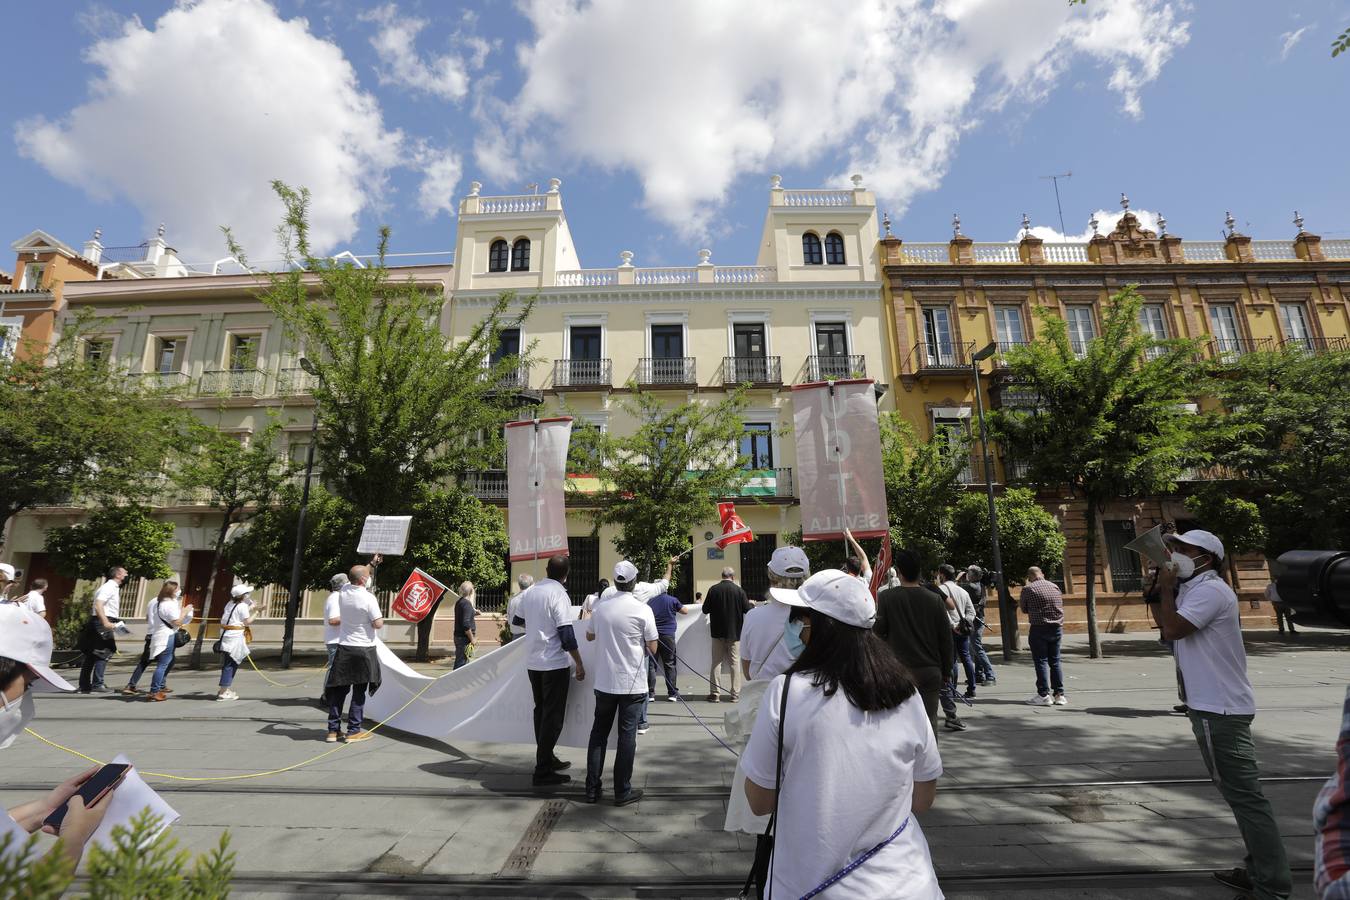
{"points": [[1331, 818], [1044, 607]]}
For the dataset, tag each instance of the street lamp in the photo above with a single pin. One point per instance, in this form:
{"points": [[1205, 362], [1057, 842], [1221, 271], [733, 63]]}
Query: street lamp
{"points": [[293, 602], [1006, 614]]}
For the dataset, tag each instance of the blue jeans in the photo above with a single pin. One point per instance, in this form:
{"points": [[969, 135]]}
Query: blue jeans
{"points": [[961, 644], [227, 669], [355, 714], [628, 708], [983, 667], [461, 652], [1044, 641], [163, 663]]}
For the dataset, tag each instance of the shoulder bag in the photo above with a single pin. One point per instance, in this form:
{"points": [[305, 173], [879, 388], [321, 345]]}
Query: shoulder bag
{"points": [[225, 617], [180, 637], [760, 879]]}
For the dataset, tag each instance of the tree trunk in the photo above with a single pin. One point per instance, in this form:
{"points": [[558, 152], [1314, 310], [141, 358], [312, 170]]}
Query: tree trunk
{"points": [[196, 661], [1094, 642], [424, 630]]}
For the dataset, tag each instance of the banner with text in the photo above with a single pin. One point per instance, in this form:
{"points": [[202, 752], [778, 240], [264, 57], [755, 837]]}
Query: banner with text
{"points": [[839, 473], [418, 595], [536, 474]]}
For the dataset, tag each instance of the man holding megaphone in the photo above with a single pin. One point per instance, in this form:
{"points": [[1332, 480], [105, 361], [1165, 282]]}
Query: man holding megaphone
{"points": [[1199, 612]]}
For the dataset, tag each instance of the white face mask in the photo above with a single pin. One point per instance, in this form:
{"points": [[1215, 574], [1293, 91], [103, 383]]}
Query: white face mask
{"points": [[14, 717], [1185, 565]]}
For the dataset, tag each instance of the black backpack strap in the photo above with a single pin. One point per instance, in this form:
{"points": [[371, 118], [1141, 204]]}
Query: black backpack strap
{"points": [[778, 776]]}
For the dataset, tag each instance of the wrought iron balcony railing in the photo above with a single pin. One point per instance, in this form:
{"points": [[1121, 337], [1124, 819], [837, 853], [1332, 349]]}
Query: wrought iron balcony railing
{"points": [[943, 356], [232, 383], [678, 370], [835, 368], [752, 370], [582, 374]]}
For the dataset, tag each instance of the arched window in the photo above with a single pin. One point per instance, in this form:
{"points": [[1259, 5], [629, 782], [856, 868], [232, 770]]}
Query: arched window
{"points": [[834, 249], [520, 255], [497, 255], [811, 254]]}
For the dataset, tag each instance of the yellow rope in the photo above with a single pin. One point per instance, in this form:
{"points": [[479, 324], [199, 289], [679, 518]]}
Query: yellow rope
{"points": [[277, 683], [218, 778]]}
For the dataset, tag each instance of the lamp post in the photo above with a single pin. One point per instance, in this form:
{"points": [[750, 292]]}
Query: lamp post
{"points": [[293, 602], [1007, 616]]}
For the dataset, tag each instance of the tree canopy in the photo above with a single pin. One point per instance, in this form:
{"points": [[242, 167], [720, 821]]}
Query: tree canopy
{"points": [[923, 488], [123, 536], [1028, 534]]}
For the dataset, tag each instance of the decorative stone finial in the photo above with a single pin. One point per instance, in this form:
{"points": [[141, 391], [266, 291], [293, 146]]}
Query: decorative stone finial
{"points": [[1231, 223], [1124, 202], [474, 188], [886, 223], [626, 259], [1026, 225], [98, 234], [159, 232], [1093, 223], [1298, 222], [956, 225], [554, 184], [775, 182], [705, 257], [857, 182], [1162, 225]]}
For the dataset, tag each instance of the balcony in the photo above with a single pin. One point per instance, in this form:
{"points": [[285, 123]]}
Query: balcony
{"points": [[490, 485], [947, 356], [164, 381], [294, 383], [1229, 349], [753, 370], [582, 374], [1316, 345], [518, 379], [232, 383], [768, 483], [973, 473], [835, 368], [1004, 347], [666, 372]]}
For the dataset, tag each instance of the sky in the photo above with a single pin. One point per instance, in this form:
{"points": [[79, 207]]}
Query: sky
{"points": [[665, 121]]}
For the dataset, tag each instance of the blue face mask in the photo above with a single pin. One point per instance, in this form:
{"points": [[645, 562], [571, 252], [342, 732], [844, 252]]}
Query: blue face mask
{"points": [[792, 637]]}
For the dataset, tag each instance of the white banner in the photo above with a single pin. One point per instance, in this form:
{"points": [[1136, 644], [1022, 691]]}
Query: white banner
{"points": [[489, 699], [839, 474], [536, 473]]}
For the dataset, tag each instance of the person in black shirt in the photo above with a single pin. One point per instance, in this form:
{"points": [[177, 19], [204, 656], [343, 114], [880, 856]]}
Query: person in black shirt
{"points": [[466, 627], [726, 606], [913, 621]]}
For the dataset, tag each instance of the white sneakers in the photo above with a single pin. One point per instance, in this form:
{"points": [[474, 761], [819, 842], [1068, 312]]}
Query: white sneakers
{"points": [[227, 694], [1041, 700], [1061, 700]]}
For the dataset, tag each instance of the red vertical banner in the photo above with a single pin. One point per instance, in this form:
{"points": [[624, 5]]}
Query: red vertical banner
{"points": [[536, 475], [839, 475]]}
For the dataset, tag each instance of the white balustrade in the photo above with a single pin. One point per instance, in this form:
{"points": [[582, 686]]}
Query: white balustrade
{"points": [[1204, 251], [996, 253], [743, 274], [1065, 253], [1273, 250], [817, 198], [1337, 249], [516, 204], [925, 253], [588, 278], [666, 276]]}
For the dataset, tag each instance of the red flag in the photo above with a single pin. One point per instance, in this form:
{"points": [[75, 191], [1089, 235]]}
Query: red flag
{"points": [[734, 531], [883, 564], [417, 596]]}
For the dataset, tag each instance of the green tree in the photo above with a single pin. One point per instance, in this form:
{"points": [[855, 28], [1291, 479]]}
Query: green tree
{"points": [[73, 430], [665, 478], [113, 536], [1282, 441], [923, 488], [1109, 420], [1236, 521], [236, 479], [1028, 534], [261, 552]]}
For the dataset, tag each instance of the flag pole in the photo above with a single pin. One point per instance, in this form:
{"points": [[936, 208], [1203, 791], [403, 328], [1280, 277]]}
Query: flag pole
{"points": [[838, 457], [720, 537]]}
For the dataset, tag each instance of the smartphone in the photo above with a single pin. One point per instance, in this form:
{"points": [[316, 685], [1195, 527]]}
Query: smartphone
{"points": [[92, 791]]}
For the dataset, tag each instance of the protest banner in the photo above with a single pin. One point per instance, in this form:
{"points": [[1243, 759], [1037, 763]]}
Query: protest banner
{"points": [[839, 473], [417, 596], [536, 474], [386, 535]]}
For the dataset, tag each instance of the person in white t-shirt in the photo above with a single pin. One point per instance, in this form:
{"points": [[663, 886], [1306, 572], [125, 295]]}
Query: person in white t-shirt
{"points": [[165, 616], [859, 757], [35, 601], [237, 616], [1201, 617], [603, 591], [26, 666], [96, 641], [546, 614], [525, 582], [624, 629], [356, 667]]}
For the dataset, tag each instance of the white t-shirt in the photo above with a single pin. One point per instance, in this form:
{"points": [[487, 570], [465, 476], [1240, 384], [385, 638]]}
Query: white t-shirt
{"points": [[848, 783], [545, 608], [513, 610], [1212, 659], [622, 625], [331, 610], [232, 642], [159, 617], [107, 598], [762, 643], [35, 602], [358, 609]]}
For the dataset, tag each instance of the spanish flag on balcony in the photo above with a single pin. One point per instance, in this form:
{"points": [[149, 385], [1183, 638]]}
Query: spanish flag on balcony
{"points": [[734, 531]]}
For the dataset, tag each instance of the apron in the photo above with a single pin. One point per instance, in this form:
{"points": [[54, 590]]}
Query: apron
{"points": [[232, 641]]}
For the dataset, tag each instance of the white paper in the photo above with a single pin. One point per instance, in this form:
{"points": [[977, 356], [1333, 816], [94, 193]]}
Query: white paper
{"points": [[130, 797], [386, 535], [490, 700]]}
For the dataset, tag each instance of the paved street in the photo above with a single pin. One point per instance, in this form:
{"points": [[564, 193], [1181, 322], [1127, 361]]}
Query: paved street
{"points": [[1105, 798]]}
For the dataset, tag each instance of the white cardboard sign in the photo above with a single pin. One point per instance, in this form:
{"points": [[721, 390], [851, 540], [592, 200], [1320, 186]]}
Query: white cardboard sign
{"points": [[386, 535]]}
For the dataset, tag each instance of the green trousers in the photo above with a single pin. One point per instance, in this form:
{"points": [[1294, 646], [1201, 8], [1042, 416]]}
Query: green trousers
{"points": [[1230, 756]]}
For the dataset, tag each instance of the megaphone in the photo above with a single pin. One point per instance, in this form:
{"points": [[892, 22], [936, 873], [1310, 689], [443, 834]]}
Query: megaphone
{"points": [[1150, 546]]}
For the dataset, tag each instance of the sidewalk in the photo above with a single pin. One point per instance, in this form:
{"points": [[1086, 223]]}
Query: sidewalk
{"points": [[1026, 790]]}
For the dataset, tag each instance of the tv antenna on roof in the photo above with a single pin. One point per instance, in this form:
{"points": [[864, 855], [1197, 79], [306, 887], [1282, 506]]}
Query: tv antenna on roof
{"points": [[1055, 179]]}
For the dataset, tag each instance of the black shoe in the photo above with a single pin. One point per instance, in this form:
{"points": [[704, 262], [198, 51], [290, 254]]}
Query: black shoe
{"points": [[632, 796], [1181, 708], [593, 797], [970, 694], [551, 779], [560, 764], [980, 682], [955, 724], [1235, 877]]}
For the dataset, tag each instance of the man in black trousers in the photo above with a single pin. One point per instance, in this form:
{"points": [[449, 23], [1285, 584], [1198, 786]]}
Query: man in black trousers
{"points": [[546, 614]]}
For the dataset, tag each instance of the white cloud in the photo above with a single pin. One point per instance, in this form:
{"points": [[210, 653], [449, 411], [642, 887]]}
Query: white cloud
{"points": [[1289, 39], [192, 118], [395, 42], [441, 170], [691, 96], [1106, 222]]}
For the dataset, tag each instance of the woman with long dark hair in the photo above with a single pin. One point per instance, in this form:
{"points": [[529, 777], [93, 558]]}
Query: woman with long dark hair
{"points": [[858, 756]]}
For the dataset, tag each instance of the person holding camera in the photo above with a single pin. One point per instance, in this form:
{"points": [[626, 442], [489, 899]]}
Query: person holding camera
{"points": [[1198, 611]]}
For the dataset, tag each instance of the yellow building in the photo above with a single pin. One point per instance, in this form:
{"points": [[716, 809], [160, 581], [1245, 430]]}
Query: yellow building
{"points": [[944, 301]]}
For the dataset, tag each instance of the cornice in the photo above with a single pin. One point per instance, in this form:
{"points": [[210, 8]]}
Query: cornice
{"points": [[684, 294]]}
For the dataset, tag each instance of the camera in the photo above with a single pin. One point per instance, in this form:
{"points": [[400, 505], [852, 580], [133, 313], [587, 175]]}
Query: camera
{"points": [[1315, 586]]}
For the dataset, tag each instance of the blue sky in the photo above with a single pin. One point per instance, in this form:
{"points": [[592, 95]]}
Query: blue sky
{"points": [[665, 121]]}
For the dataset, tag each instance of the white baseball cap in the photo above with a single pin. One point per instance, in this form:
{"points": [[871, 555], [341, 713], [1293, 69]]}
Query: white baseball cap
{"points": [[790, 562], [625, 571], [1202, 539], [839, 595], [26, 638], [7, 570], [241, 590]]}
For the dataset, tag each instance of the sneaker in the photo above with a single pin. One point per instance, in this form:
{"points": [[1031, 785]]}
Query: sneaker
{"points": [[560, 764], [551, 779], [129, 691], [592, 798], [1181, 708], [1060, 700], [970, 693], [735, 698], [643, 729], [955, 724], [979, 682], [100, 689], [714, 698], [651, 695], [1235, 877], [1041, 700], [223, 697], [332, 737], [356, 737], [673, 698], [632, 796]]}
